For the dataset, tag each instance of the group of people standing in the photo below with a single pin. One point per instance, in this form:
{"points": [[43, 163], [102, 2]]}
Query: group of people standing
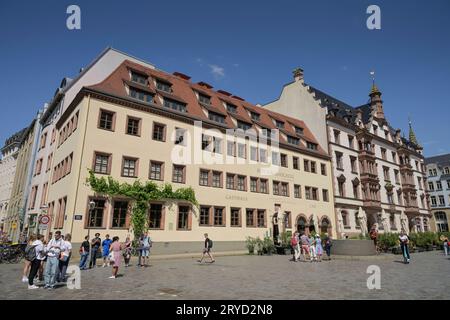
{"points": [[112, 251], [47, 260], [310, 247]]}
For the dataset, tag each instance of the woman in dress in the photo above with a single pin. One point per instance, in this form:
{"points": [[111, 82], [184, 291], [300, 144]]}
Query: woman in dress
{"points": [[127, 252], [319, 250], [115, 249], [312, 248]]}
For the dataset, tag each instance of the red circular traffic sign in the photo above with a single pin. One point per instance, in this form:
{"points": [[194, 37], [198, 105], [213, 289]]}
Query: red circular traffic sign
{"points": [[44, 219]]}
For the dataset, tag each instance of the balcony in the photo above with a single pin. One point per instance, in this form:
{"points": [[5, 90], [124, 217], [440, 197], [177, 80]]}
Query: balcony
{"points": [[367, 176], [412, 210], [372, 204], [366, 154]]}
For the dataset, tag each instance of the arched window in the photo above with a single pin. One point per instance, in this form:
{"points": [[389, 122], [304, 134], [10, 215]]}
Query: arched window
{"points": [[425, 225], [345, 221], [301, 224], [324, 225]]}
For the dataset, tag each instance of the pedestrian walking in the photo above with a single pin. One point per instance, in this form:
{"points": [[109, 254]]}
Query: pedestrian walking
{"points": [[96, 242], [53, 249], [445, 242], [115, 249], [319, 249], [207, 249], [84, 253], [127, 251], [36, 255], [296, 246], [374, 236], [404, 240], [312, 248], [328, 245], [304, 240], [65, 258], [105, 245]]}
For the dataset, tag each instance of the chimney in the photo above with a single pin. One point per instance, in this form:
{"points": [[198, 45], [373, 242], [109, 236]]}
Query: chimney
{"points": [[298, 74]]}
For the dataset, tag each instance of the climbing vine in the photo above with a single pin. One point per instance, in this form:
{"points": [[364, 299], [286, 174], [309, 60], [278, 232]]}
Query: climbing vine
{"points": [[140, 194]]}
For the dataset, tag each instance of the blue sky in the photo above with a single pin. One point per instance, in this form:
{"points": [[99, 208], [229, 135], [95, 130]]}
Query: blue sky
{"points": [[248, 48]]}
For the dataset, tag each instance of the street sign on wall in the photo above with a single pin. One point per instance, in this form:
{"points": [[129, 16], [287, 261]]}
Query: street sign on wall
{"points": [[44, 219]]}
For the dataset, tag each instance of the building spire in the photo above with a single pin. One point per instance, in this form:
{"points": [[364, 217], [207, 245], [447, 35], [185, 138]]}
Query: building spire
{"points": [[412, 135], [376, 103]]}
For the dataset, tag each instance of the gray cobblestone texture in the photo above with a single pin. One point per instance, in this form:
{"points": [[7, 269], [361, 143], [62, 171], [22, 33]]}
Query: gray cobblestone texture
{"points": [[251, 277]]}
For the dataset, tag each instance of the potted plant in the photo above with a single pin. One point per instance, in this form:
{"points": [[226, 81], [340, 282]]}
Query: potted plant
{"points": [[250, 244], [268, 246]]}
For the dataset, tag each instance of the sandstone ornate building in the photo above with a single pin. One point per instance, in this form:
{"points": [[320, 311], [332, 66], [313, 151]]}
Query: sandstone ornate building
{"points": [[306, 161], [378, 176]]}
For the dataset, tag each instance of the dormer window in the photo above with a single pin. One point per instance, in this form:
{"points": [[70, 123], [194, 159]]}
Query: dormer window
{"points": [[141, 95], [216, 117], [163, 86], [231, 108], [255, 116], [298, 130], [242, 125], [204, 98], [139, 78], [279, 124], [174, 105], [266, 132], [293, 140], [311, 146]]}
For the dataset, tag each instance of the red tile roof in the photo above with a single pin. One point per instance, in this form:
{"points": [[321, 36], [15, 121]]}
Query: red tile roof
{"points": [[184, 90]]}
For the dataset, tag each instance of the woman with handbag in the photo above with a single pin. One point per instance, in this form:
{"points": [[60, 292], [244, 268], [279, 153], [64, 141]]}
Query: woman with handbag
{"points": [[127, 251], [65, 257], [114, 256]]}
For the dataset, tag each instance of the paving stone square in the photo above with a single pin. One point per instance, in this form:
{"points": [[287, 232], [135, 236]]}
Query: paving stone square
{"points": [[251, 277]]}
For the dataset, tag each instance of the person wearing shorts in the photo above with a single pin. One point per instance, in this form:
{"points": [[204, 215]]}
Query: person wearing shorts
{"points": [[305, 245], [146, 243]]}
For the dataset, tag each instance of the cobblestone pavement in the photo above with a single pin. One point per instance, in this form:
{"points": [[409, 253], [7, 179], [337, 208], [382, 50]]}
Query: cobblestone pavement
{"points": [[251, 277]]}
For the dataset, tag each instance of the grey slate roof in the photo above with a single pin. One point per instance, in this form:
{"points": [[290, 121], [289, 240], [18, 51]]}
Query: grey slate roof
{"points": [[441, 160]]}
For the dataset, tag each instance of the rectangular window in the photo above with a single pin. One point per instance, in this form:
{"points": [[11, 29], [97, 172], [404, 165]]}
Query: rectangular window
{"points": [[276, 188], [32, 203], [323, 169], [217, 143], [140, 95], [285, 189], [299, 130], [441, 200], [204, 216], [96, 214], [253, 184], [49, 162], [231, 108], [219, 219], [353, 164], [159, 132], [230, 181], [253, 154], [231, 148], [293, 140], [241, 151], [183, 218], [178, 175], [204, 177], [284, 162], [139, 78], [351, 142], [383, 153], [337, 138], [244, 126], [250, 217], [315, 195], [133, 125], [44, 195], [155, 216], [120, 210], [204, 98], [156, 170], [163, 86], [308, 193], [431, 186], [275, 158], [311, 146], [394, 157], [386, 174], [295, 163], [306, 165], [255, 116], [174, 105], [129, 167], [297, 191], [263, 155], [279, 124], [261, 218], [263, 186], [339, 162], [217, 179], [313, 167], [235, 217], [106, 120], [241, 183], [179, 136], [216, 117], [102, 163], [325, 195], [438, 185]]}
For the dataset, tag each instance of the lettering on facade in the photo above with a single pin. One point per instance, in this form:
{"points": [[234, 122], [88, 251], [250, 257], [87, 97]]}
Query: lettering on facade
{"points": [[233, 197]]}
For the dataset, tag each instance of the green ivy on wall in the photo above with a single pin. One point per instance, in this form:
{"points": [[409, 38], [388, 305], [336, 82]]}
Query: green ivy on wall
{"points": [[140, 194]]}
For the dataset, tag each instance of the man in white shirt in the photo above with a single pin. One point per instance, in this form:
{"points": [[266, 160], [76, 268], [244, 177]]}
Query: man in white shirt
{"points": [[65, 257], [36, 263], [54, 248], [404, 240]]}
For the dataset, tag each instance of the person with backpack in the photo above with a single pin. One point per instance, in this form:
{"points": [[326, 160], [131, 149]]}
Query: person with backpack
{"points": [[35, 254], [54, 248], [296, 246], [404, 240], [207, 249], [145, 243], [84, 253]]}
